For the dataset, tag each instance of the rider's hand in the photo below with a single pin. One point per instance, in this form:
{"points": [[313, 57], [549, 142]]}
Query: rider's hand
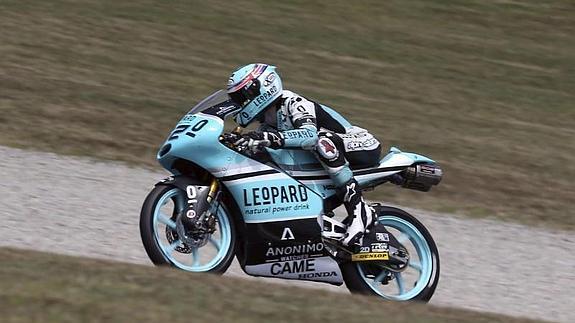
{"points": [[275, 138], [230, 137], [251, 140]]}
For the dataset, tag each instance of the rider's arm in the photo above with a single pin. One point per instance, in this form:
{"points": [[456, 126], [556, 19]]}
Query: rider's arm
{"points": [[303, 117]]}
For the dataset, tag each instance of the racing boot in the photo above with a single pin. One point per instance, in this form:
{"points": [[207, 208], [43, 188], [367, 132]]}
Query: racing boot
{"points": [[360, 215]]}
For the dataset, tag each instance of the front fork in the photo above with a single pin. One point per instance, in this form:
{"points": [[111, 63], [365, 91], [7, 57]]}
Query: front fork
{"points": [[198, 221], [214, 192]]}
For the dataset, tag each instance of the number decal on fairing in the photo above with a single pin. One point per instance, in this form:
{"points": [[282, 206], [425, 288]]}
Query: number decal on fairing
{"points": [[192, 192], [364, 249], [197, 127]]}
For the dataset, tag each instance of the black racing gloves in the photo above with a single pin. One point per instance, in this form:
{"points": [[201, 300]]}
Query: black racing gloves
{"points": [[257, 139]]}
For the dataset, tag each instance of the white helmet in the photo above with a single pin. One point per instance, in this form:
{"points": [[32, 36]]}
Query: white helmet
{"points": [[254, 87]]}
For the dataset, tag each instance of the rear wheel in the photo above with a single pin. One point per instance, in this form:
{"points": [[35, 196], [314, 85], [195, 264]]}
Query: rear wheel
{"points": [[417, 282], [158, 231]]}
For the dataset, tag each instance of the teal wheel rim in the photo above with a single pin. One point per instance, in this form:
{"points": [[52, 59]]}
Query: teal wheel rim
{"points": [[200, 259], [419, 270]]}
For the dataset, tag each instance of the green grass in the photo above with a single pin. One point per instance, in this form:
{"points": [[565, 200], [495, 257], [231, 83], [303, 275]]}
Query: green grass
{"points": [[484, 87], [42, 287]]}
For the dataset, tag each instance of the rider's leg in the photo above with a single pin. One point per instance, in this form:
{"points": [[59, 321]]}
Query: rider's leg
{"points": [[330, 151]]}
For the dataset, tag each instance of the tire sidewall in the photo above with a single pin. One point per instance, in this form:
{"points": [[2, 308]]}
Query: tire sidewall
{"points": [[150, 243], [355, 282]]}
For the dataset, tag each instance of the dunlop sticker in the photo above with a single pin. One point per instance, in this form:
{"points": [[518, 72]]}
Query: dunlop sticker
{"points": [[370, 256]]}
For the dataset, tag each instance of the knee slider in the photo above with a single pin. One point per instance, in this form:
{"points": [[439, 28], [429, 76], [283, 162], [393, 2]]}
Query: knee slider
{"points": [[327, 149]]}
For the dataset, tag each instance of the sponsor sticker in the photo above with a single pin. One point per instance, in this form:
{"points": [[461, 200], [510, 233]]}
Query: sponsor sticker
{"points": [[274, 195], [317, 275], [354, 145], [269, 79], [380, 236], [370, 142], [263, 98], [295, 249], [188, 118], [379, 247], [224, 110], [293, 267], [370, 256], [287, 234]]}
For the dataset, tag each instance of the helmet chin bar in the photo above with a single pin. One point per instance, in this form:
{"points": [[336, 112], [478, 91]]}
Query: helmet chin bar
{"points": [[260, 117]]}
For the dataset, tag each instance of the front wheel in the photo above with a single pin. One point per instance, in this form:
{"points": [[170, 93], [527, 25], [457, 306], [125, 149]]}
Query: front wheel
{"points": [[417, 282], [159, 236]]}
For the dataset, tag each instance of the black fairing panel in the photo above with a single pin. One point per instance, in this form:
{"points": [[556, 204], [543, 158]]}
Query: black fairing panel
{"points": [[296, 233], [181, 181]]}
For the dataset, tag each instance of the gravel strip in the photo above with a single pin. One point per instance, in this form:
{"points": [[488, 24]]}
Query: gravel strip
{"points": [[78, 206]]}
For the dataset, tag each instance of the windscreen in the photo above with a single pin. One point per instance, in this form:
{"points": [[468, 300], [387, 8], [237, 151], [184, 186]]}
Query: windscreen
{"points": [[215, 98]]}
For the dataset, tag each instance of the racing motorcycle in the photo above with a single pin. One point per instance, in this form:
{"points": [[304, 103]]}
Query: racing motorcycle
{"points": [[273, 210]]}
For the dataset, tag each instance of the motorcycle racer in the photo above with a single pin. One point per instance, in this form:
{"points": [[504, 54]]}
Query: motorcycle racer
{"points": [[289, 120]]}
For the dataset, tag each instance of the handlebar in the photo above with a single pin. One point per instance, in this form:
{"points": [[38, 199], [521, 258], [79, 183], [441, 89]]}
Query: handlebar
{"points": [[230, 137], [231, 140]]}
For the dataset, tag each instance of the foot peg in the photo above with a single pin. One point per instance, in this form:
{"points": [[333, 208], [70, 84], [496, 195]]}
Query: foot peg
{"points": [[332, 228]]}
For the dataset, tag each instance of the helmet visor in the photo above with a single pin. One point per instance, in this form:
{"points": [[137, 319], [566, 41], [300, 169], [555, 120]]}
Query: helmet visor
{"points": [[246, 94]]}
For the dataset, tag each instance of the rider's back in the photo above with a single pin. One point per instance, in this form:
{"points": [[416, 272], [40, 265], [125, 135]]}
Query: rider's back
{"points": [[297, 111]]}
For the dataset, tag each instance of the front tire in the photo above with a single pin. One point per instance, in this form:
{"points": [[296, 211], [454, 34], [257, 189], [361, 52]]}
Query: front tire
{"points": [[157, 230], [423, 271]]}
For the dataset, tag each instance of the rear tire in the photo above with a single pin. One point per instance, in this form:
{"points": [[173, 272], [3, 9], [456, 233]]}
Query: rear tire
{"points": [[356, 274], [163, 253]]}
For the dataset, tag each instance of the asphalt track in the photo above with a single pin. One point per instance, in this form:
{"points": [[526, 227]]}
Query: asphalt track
{"points": [[78, 206]]}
